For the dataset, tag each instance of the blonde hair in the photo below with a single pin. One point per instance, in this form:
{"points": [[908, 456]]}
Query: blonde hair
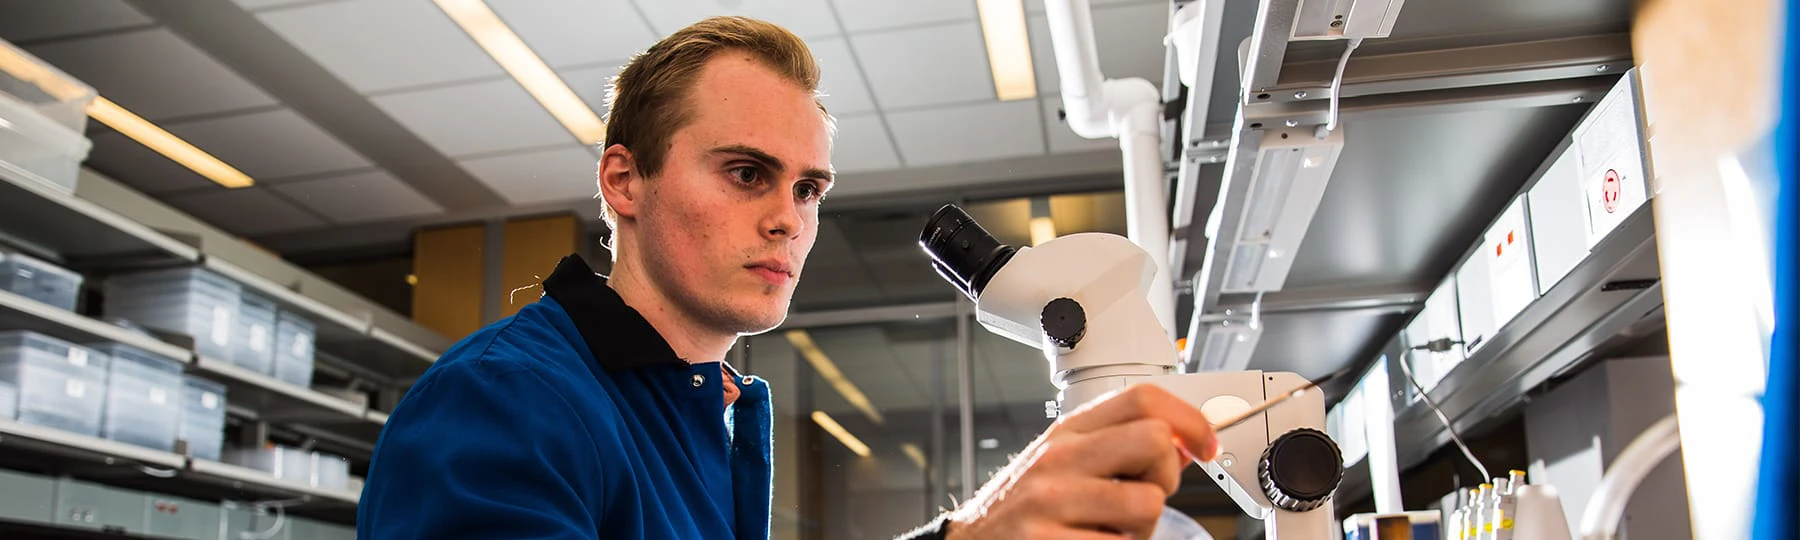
{"points": [[647, 101]]}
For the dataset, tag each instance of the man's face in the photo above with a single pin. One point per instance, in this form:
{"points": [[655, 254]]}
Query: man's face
{"points": [[725, 227]]}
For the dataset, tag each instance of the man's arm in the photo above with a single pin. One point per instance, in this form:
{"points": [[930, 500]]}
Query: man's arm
{"points": [[485, 449], [1102, 470]]}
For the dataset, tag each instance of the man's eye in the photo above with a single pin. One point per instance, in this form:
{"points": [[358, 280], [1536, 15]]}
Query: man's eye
{"points": [[747, 175], [807, 191]]}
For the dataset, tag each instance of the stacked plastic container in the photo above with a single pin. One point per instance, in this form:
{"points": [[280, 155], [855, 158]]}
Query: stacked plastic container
{"points": [[291, 464], [61, 385], [39, 280], [191, 301], [330, 472], [255, 340], [294, 349], [202, 417], [143, 397], [43, 113]]}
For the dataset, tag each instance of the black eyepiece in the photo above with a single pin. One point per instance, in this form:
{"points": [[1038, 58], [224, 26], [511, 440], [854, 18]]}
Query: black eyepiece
{"points": [[961, 251]]}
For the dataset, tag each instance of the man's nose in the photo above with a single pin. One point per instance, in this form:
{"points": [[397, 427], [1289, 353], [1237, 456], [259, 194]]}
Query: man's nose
{"points": [[781, 217]]}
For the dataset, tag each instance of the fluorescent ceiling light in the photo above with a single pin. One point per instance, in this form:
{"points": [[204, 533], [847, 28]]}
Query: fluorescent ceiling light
{"points": [[843, 435], [1008, 48], [500, 42], [168, 145], [828, 370], [913, 453]]}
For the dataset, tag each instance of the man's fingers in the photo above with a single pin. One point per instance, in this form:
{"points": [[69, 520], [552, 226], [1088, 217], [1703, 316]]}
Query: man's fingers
{"points": [[1142, 401], [1143, 450], [1113, 505]]}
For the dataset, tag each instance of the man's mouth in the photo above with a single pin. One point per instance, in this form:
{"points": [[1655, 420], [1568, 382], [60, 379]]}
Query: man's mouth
{"points": [[772, 271]]}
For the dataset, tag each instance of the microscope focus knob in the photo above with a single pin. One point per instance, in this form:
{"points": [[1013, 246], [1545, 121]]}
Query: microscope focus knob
{"points": [[1301, 469], [1064, 322]]}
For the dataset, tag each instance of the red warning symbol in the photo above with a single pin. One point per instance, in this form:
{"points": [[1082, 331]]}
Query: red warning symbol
{"points": [[1609, 191]]}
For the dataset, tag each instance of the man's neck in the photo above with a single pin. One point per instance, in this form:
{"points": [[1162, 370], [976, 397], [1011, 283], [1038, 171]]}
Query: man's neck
{"points": [[690, 340]]}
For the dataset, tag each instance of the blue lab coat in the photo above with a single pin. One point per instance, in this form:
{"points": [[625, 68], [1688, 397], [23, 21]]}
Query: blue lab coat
{"points": [[571, 419]]}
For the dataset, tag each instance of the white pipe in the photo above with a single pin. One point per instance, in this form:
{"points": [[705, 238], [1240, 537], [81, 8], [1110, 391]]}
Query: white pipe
{"points": [[1607, 505], [1127, 109]]}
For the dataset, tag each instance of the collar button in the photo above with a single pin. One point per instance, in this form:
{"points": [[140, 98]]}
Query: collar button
{"points": [[699, 380]]}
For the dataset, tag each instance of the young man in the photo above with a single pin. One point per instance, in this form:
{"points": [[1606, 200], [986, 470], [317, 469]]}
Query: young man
{"points": [[597, 411]]}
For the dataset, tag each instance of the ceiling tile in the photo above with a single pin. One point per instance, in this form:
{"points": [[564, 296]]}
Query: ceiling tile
{"points": [[154, 74], [861, 145], [272, 144], [247, 211], [1062, 139], [28, 20], [608, 30], [139, 167], [1128, 39], [474, 118], [969, 133], [417, 44], [839, 77], [369, 196], [556, 175], [865, 15], [808, 18], [590, 83], [926, 66]]}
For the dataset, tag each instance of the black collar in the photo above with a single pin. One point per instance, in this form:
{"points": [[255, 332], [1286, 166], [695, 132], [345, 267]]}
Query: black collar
{"points": [[619, 337]]}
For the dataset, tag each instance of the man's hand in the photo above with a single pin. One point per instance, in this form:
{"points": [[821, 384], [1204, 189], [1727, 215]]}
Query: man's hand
{"points": [[1101, 471]]}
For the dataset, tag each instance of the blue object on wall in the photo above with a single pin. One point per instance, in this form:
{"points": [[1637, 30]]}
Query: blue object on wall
{"points": [[1777, 480]]}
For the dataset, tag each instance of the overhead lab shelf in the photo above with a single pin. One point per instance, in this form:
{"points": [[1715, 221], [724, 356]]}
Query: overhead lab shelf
{"points": [[41, 218], [124, 465], [21, 313], [277, 401], [1611, 298]]}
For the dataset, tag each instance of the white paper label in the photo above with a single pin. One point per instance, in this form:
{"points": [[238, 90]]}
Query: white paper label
{"points": [[1612, 166], [209, 400], [75, 388], [158, 396], [303, 345], [259, 338], [78, 356], [221, 326]]}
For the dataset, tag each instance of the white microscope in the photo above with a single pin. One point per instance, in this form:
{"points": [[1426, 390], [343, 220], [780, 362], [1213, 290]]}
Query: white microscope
{"points": [[1081, 299]]}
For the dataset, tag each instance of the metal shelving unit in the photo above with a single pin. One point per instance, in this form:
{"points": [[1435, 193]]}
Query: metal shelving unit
{"points": [[380, 348]]}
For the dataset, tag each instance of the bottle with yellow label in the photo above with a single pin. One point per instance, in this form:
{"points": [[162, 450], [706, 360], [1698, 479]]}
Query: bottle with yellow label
{"points": [[1508, 505], [1480, 511], [1491, 521]]}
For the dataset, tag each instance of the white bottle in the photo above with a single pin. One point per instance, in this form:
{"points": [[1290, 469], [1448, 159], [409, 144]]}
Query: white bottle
{"points": [[1470, 509], [1453, 528], [1479, 511], [1491, 522], [1508, 508]]}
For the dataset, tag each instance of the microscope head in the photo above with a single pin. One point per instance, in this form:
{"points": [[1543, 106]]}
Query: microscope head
{"points": [[1080, 298]]}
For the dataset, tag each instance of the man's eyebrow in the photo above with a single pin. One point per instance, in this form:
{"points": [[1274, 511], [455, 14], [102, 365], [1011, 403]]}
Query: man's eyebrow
{"points": [[772, 162]]}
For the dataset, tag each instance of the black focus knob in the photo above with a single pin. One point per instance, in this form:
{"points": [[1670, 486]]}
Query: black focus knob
{"points": [[1301, 469], [1064, 322]]}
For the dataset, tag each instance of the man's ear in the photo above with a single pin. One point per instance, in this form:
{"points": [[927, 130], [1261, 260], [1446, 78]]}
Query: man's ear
{"points": [[620, 184]]}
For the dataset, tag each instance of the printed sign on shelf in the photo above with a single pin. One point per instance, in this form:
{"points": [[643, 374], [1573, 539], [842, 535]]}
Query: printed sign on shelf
{"points": [[1610, 152], [1509, 269]]}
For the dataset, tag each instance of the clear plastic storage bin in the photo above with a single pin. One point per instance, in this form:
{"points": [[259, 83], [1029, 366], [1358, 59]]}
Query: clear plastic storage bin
{"points": [[189, 301], [291, 464], [38, 280], [202, 417], [294, 349], [254, 346], [330, 472], [143, 397], [61, 385], [9, 401], [45, 114]]}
